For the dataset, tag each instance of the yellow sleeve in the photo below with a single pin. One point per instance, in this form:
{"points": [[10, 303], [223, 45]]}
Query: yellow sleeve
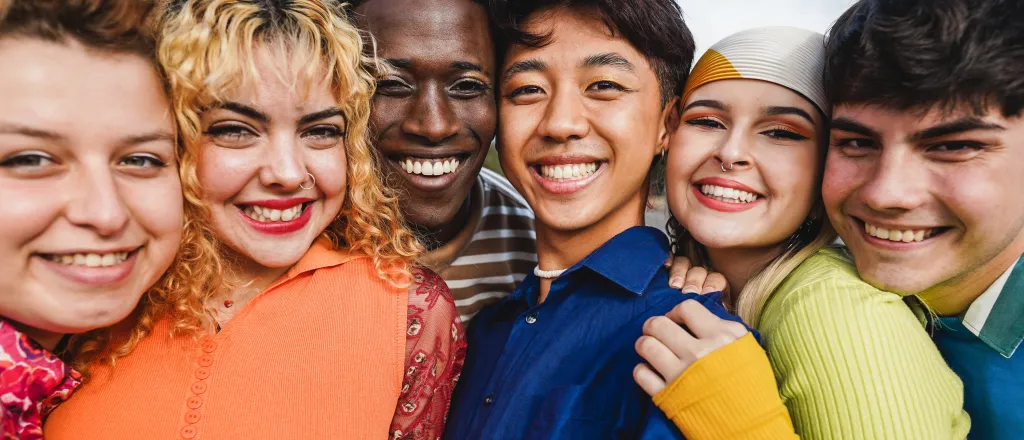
{"points": [[728, 394], [853, 362]]}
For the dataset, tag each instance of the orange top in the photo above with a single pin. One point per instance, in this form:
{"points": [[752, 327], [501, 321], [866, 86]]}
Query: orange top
{"points": [[319, 354]]}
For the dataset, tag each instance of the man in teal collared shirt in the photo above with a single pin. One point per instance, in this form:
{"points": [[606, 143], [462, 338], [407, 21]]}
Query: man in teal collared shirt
{"points": [[924, 176]]}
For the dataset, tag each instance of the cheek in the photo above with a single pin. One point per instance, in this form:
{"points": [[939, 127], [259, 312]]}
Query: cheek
{"points": [[223, 172], [331, 172], [479, 116], [157, 205], [386, 112], [838, 182], [35, 207]]}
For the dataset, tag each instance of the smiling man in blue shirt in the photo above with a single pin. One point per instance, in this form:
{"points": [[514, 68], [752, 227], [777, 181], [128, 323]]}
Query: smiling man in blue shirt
{"points": [[585, 91]]}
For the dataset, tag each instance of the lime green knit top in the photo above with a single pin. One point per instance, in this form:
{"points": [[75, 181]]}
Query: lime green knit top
{"points": [[854, 362]]}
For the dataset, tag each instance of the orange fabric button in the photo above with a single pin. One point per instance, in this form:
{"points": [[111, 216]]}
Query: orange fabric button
{"points": [[193, 417], [205, 360], [194, 402], [202, 373], [209, 346], [199, 387], [188, 432]]}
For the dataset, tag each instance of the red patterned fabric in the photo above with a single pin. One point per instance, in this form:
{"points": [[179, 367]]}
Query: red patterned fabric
{"points": [[33, 382], [435, 351]]}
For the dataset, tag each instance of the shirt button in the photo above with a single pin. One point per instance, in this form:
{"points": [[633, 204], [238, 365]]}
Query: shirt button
{"points": [[194, 402], [489, 400], [192, 417], [188, 432], [202, 373], [209, 346], [531, 318], [199, 387], [205, 360]]}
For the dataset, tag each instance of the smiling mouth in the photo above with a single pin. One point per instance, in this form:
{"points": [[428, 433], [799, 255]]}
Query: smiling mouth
{"points": [[727, 195], [91, 260], [429, 167], [901, 235], [268, 215], [568, 172]]}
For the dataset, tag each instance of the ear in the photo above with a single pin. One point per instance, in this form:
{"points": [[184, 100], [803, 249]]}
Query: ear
{"points": [[669, 122]]}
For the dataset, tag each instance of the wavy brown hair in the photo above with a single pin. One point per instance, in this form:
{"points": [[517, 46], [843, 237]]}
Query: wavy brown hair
{"points": [[208, 48]]}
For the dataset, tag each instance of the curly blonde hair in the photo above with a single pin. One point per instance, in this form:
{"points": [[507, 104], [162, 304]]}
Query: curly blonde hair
{"points": [[208, 48]]}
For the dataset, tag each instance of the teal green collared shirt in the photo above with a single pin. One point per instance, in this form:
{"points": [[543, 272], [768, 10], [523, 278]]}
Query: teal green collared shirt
{"points": [[981, 347]]}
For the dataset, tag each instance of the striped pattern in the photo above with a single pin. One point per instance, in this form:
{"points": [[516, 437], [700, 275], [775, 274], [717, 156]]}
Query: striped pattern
{"points": [[998, 319], [487, 260], [854, 362]]}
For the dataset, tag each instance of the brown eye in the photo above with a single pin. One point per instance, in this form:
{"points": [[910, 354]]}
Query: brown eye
{"points": [[323, 136], [231, 134]]}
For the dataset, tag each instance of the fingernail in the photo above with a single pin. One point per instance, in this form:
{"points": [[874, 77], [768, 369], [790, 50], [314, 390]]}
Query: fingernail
{"points": [[690, 288], [676, 283]]}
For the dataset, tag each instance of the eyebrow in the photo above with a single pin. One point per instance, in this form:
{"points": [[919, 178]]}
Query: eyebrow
{"points": [[243, 109], [30, 132], [466, 65], [955, 127], [523, 66], [847, 124], [322, 114], [401, 63], [710, 103], [609, 59], [777, 111], [136, 139]]}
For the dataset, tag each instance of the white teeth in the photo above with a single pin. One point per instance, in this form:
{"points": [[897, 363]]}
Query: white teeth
{"points": [[429, 167], [88, 260], [728, 195], [267, 215], [905, 236], [568, 172]]}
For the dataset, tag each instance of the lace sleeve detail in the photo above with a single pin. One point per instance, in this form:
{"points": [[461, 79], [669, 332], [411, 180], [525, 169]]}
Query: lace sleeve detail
{"points": [[435, 351]]}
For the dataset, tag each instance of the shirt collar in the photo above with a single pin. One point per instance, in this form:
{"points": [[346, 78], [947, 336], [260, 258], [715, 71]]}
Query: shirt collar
{"points": [[997, 316], [630, 259], [321, 254]]}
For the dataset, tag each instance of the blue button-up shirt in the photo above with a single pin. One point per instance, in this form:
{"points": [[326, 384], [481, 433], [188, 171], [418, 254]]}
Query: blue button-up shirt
{"points": [[563, 369]]}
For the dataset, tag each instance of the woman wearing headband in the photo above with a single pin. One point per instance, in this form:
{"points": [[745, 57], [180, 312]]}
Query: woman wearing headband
{"points": [[744, 174], [319, 327], [89, 188]]}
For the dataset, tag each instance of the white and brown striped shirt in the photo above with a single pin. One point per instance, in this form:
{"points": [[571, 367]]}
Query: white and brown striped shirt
{"points": [[487, 259]]}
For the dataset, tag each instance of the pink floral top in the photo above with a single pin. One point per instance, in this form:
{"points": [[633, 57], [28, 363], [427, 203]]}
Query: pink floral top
{"points": [[33, 382], [435, 351]]}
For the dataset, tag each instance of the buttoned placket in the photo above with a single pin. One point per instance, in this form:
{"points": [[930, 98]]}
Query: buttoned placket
{"points": [[525, 331], [202, 369]]}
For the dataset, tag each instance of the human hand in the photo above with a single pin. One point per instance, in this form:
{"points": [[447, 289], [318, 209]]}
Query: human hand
{"points": [[693, 279]]}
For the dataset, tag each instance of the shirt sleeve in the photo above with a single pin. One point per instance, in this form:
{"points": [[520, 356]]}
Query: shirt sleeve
{"points": [[435, 352], [853, 362], [730, 393]]}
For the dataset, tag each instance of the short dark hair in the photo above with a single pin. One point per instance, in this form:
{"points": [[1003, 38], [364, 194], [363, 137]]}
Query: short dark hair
{"points": [[655, 28], [117, 26], [925, 54]]}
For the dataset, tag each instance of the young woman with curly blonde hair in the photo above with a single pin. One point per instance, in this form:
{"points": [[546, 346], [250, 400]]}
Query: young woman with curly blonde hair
{"points": [[310, 320]]}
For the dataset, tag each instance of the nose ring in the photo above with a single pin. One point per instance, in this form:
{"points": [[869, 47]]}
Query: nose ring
{"points": [[724, 169], [311, 185]]}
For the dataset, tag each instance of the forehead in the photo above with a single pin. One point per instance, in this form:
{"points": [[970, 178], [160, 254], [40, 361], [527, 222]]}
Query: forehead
{"points": [[279, 82], [76, 92], [574, 35], [420, 30]]}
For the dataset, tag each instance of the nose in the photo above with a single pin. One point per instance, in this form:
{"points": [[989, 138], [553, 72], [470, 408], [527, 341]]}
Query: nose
{"points": [[564, 118], [284, 166], [896, 183], [734, 152], [432, 118], [95, 202]]}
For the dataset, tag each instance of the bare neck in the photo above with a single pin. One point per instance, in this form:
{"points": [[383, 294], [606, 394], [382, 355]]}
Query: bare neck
{"points": [[955, 296], [738, 265]]}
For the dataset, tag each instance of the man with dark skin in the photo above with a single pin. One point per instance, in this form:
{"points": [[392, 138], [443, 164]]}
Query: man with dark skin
{"points": [[434, 117]]}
